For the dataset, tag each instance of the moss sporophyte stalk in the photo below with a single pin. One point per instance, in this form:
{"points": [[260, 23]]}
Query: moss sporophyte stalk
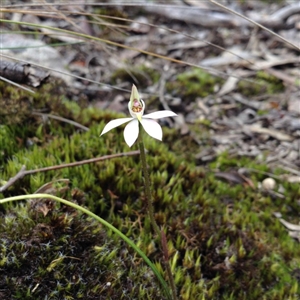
{"points": [[136, 107]]}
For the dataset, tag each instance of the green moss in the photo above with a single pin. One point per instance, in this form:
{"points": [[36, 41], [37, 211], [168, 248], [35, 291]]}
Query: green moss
{"points": [[142, 76], [17, 104], [110, 12], [65, 255], [194, 83], [223, 240], [264, 83]]}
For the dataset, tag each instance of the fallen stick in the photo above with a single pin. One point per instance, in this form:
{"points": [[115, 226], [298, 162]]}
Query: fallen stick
{"points": [[23, 171]]}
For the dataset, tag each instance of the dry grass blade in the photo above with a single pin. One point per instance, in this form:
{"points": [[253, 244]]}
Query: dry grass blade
{"points": [[257, 24], [85, 37]]}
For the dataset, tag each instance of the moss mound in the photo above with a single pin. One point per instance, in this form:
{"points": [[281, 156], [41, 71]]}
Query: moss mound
{"points": [[223, 241], [65, 255]]}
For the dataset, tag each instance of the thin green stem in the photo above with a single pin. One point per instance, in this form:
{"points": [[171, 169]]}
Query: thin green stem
{"points": [[151, 209], [147, 188]]}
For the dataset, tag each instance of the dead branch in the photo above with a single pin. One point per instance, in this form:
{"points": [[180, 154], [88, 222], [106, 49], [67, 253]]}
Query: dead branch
{"points": [[22, 73], [12, 180]]}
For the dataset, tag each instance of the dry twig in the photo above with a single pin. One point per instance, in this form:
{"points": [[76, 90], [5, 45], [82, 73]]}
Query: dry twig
{"points": [[23, 173]]}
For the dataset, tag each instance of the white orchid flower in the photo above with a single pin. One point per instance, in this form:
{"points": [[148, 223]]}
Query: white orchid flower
{"points": [[136, 107]]}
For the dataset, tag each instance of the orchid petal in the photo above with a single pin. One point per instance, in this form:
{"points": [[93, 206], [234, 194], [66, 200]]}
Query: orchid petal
{"points": [[160, 114], [114, 123], [131, 132], [152, 128]]}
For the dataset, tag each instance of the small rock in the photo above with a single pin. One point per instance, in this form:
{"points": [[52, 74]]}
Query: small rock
{"points": [[269, 184]]}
